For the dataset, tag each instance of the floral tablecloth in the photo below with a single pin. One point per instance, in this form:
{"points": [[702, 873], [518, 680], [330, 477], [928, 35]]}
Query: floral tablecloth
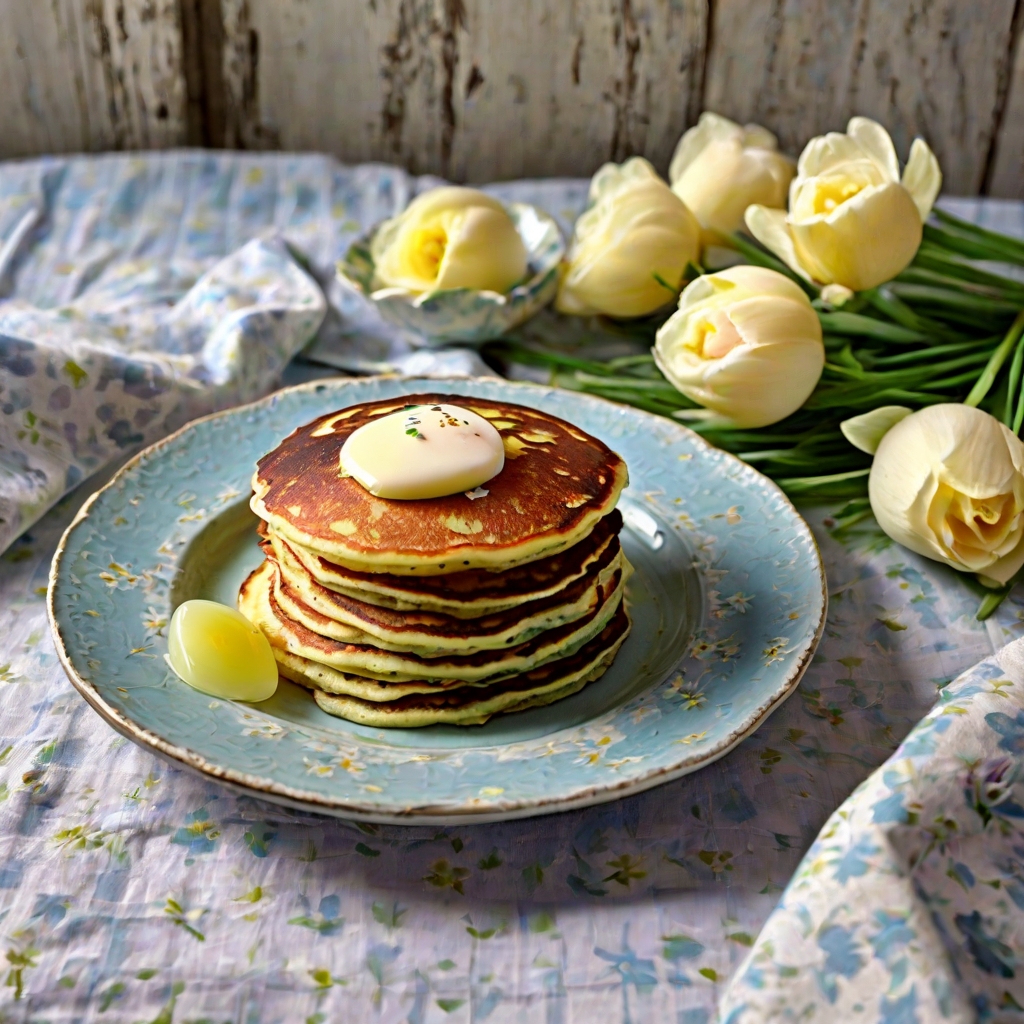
{"points": [[132, 891]]}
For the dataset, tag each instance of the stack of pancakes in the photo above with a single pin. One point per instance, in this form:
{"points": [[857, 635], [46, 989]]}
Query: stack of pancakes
{"points": [[410, 613]]}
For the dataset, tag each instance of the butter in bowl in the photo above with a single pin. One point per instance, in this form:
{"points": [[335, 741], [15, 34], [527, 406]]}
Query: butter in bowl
{"points": [[457, 265]]}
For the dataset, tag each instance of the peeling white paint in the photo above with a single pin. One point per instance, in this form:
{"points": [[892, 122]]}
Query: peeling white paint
{"points": [[483, 91]]}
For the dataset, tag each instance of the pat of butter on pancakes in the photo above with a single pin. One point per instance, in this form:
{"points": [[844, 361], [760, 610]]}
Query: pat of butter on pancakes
{"points": [[424, 451]]}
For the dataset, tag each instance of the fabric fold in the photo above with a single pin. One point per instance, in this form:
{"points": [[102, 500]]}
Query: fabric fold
{"points": [[78, 391], [909, 906]]}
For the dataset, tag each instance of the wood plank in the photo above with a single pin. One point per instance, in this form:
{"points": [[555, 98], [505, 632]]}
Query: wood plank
{"points": [[921, 67], [90, 75], [466, 88], [1006, 175]]}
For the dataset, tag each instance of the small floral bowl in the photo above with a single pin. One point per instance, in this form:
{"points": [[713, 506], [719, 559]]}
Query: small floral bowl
{"points": [[464, 314]]}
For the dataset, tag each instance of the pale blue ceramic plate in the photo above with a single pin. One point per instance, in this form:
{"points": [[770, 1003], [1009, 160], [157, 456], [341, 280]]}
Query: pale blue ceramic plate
{"points": [[464, 314], [727, 602]]}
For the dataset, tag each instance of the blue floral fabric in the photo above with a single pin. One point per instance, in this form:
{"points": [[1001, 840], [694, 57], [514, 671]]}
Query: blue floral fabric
{"points": [[137, 889], [909, 906], [133, 891], [137, 293]]}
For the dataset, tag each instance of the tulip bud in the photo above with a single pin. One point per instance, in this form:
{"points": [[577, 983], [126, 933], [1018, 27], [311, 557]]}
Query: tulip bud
{"points": [[851, 220], [630, 247], [745, 343], [449, 238], [720, 168], [948, 483]]}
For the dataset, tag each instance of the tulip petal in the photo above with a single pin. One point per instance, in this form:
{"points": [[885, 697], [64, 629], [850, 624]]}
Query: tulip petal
{"points": [[630, 248], [922, 177], [724, 179], [770, 228], [865, 241], [867, 430], [611, 178], [694, 141], [1007, 567], [773, 353], [836, 295], [947, 483], [759, 138], [877, 143], [826, 151]]}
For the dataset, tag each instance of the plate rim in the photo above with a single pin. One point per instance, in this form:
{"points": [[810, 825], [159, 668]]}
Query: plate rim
{"points": [[367, 810]]}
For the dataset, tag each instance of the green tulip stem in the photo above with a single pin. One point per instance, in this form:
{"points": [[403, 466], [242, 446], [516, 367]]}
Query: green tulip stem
{"points": [[994, 598], [747, 248], [1013, 388], [1011, 247], [991, 371], [859, 325], [809, 483]]}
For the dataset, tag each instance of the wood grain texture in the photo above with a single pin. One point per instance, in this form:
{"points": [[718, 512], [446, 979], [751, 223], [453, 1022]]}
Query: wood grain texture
{"points": [[921, 67], [1006, 173], [466, 88], [90, 75], [481, 90]]}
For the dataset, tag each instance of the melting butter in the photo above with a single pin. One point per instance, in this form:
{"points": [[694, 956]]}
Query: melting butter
{"points": [[424, 451], [217, 650]]}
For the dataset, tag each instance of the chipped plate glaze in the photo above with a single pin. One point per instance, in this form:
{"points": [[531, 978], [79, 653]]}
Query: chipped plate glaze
{"points": [[728, 604]]}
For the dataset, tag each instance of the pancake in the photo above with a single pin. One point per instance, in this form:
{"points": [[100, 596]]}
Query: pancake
{"points": [[475, 705], [337, 667], [557, 484], [467, 594], [433, 634]]}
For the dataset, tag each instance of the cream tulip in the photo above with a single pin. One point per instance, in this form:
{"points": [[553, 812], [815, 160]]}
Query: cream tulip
{"points": [[720, 168], [948, 482], [867, 430], [852, 221], [630, 247], [449, 237], [745, 343]]}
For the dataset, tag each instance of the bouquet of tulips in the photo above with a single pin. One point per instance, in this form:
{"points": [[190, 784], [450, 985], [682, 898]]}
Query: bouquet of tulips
{"points": [[853, 343]]}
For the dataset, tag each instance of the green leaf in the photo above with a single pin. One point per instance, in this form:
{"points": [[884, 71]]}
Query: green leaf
{"points": [[680, 947], [892, 625], [970, 230], [112, 993], [760, 257], [855, 324], [450, 1005], [811, 483], [391, 917], [994, 598], [1014, 395], [995, 363]]}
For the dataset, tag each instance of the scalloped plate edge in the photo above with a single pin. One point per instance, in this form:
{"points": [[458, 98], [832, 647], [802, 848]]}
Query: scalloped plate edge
{"points": [[425, 814]]}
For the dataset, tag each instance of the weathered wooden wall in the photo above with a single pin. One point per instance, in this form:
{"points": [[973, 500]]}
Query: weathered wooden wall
{"points": [[89, 75], [486, 89]]}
